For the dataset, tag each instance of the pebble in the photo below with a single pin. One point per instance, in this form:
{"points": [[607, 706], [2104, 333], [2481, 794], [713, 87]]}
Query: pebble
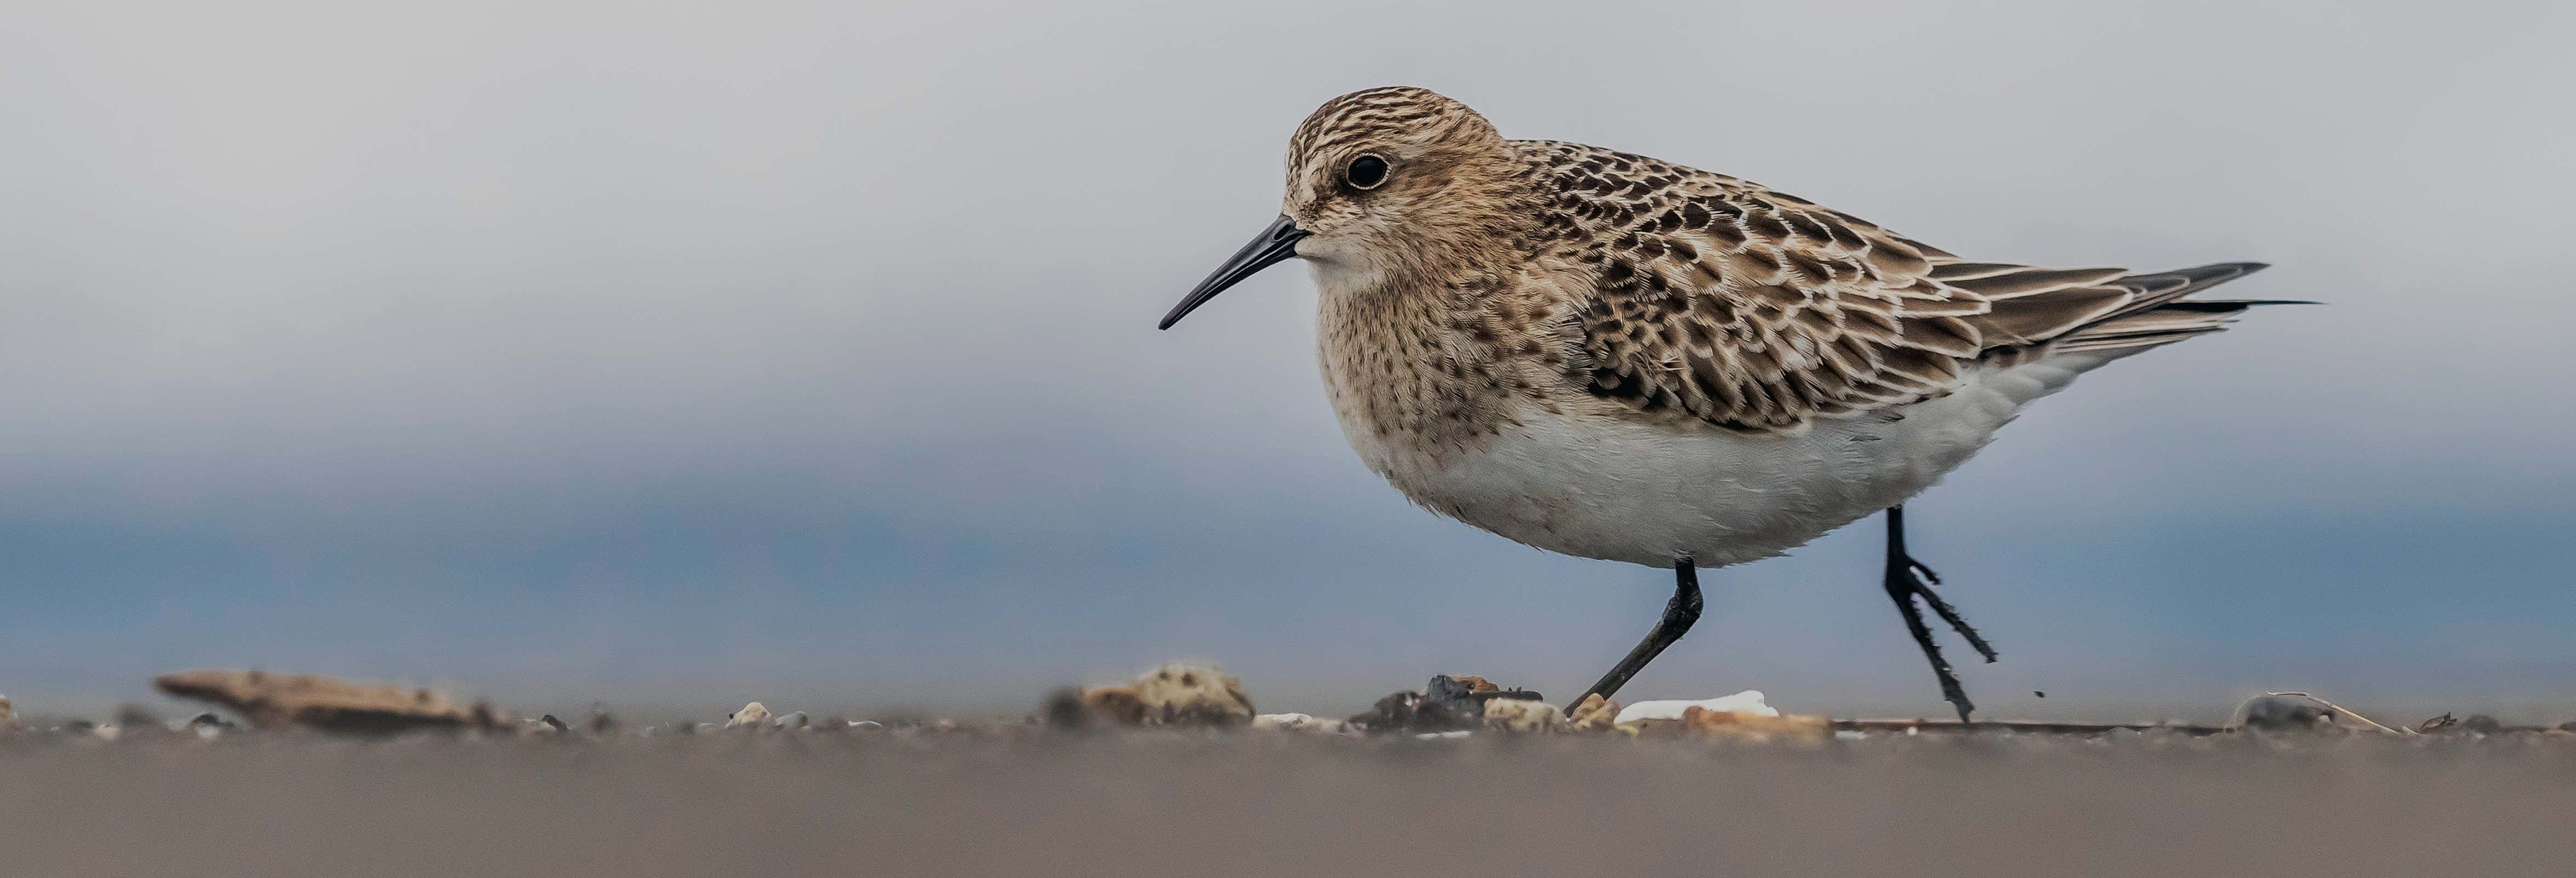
{"points": [[1193, 695], [1593, 714], [2277, 713], [207, 726], [1299, 722], [1172, 695], [1447, 704], [750, 715], [1522, 716]]}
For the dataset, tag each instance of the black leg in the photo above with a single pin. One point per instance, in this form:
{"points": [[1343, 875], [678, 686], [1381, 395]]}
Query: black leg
{"points": [[1678, 616], [1907, 580]]}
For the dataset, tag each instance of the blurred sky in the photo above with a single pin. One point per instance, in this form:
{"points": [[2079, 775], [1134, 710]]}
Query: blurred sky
{"points": [[717, 351]]}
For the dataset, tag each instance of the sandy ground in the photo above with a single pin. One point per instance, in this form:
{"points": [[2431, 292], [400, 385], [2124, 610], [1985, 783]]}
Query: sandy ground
{"points": [[778, 804]]}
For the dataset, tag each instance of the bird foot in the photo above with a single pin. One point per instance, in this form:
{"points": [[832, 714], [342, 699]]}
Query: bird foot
{"points": [[1906, 575]]}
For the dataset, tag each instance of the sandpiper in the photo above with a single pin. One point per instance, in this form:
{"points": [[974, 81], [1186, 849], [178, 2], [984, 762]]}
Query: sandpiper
{"points": [[1612, 356]]}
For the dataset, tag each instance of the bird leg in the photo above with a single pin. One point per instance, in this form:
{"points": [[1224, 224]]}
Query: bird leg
{"points": [[1679, 613], [1907, 580]]}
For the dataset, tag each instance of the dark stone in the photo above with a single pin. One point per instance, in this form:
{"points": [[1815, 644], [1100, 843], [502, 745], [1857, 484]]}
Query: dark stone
{"points": [[1446, 704], [2280, 714], [1063, 710], [1391, 714]]}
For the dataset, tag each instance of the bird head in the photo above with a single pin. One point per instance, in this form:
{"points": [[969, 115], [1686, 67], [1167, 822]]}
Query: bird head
{"points": [[1383, 183]]}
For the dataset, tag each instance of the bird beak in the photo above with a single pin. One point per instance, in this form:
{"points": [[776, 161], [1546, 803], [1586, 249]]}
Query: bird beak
{"points": [[1274, 245]]}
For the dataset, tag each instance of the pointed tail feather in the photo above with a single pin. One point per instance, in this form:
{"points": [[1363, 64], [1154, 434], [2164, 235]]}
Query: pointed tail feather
{"points": [[2160, 315]]}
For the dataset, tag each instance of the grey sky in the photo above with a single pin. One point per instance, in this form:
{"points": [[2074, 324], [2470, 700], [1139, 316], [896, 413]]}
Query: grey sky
{"points": [[681, 351]]}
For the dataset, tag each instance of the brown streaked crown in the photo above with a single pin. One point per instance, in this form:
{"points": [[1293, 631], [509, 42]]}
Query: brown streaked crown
{"points": [[1452, 187]]}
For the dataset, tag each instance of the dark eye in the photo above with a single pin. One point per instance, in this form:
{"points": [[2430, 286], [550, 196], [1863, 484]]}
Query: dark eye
{"points": [[1367, 171]]}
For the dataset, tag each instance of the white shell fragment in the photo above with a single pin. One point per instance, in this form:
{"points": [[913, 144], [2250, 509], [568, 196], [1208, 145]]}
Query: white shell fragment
{"points": [[1747, 701]]}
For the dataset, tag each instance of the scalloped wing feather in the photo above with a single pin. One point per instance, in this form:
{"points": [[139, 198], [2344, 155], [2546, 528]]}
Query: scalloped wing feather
{"points": [[1757, 310]]}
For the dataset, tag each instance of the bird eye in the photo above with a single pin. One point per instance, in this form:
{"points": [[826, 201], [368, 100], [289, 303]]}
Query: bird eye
{"points": [[1367, 171]]}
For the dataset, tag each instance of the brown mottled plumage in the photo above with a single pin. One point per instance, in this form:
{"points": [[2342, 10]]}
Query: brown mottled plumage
{"points": [[1664, 286], [1613, 356]]}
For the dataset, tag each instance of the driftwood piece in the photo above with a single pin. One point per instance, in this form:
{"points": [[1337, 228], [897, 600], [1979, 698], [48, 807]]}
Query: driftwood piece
{"points": [[276, 701]]}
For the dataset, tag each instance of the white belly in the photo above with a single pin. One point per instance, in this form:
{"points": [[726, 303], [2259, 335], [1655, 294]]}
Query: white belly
{"points": [[1647, 493]]}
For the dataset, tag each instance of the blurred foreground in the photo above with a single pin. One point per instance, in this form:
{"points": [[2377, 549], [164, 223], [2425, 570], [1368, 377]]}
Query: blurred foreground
{"points": [[1163, 801]]}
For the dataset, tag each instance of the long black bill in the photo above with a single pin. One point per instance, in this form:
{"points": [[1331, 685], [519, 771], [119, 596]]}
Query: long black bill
{"points": [[1273, 246]]}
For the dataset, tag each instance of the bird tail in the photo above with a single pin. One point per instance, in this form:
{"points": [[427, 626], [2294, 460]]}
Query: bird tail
{"points": [[2159, 315]]}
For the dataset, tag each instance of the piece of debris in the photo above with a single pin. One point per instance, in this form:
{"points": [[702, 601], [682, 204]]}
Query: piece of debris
{"points": [[752, 715], [274, 701], [1451, 704], [2278, 711], [8, 716], [1393, 713], [549, 725], [601, 723], [2437, 724], [1522, 715], [135, 716], [1446, 704], [2275, 713], [1753, 728], [1747, 701], [1593, 714], [205, 726], [1193, 696], [1075, 709], [793, 722], [1298, 722], [1172, 695]]}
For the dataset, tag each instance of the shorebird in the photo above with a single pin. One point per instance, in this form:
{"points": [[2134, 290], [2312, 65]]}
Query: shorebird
{"points": [[1612, 356]]}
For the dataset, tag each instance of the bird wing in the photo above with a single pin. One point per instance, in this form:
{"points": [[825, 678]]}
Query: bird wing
{"points": [[1761, 311]]}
